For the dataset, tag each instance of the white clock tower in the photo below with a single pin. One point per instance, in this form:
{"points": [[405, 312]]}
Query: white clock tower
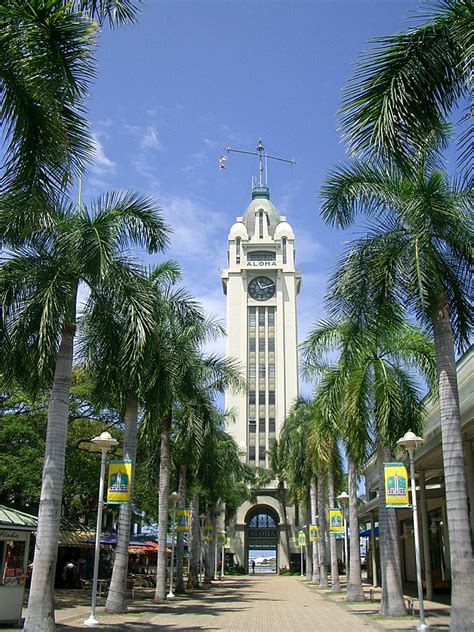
{"points": [[261, 284]]}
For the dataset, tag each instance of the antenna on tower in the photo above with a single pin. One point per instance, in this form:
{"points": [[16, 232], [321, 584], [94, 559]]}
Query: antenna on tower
{"points": [[263, 159]]}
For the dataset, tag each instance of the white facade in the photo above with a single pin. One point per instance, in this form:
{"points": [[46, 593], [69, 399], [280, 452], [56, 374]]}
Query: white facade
{"points": [[261, 284], [261, 328]]}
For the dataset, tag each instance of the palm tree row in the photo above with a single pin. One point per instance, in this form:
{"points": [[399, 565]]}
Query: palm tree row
{"points": [[139, 337], [414, 263]]}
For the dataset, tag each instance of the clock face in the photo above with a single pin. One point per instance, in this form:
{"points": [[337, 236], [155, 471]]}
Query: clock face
{"points": [[261, 288]]}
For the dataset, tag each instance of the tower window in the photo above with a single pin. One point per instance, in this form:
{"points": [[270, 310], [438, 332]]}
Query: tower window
{"points": [[284, 246], [252, 344], [261, 345], [260, 224], [271, 344], [261, 453], [252, 371], [271, 424], [271, 370], [261, 317], [237, 250], [271, 317], [252, 317], [252, 453], [261, 424], [251, 397], [252, 426], [271, 397], [262, 255], [261, 371], [261, 397]]}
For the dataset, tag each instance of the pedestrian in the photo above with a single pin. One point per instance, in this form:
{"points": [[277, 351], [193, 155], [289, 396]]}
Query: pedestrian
{"points": [[69, 575], [253, 567]]}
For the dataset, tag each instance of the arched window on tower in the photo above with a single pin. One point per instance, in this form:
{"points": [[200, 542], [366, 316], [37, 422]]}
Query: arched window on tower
{"points": [[237, 250], [260, 224], [284, 247]]}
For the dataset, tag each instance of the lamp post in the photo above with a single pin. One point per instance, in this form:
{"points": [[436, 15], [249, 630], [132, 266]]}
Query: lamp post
{"points": [[174, 499], [301, 553], [343, 498], [223, 535], [104, 441], [410, 442]]}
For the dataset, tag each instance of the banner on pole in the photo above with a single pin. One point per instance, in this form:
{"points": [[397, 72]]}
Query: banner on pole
{"points": [[118, 482], [207, 532], [396, 485], [221, 538], [182, 519], [227, 543], [335, 521], [313, 533], [301, 538]]}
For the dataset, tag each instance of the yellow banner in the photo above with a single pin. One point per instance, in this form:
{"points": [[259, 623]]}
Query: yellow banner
{"points": [[396, 485], [221, 538], [301, 538], [118, 482], [335, 521], [182, 519], [313, 533], [227, 543], [208, 533]]}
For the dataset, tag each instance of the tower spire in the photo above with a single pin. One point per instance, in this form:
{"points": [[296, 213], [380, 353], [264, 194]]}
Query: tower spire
{"points": [[260, 190]]}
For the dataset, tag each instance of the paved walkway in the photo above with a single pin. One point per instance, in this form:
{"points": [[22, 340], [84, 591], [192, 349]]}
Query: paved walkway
{"points": [[237, 604]]}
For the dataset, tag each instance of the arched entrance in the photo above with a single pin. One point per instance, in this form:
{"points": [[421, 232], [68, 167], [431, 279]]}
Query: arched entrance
{"points": [[261, 539]]}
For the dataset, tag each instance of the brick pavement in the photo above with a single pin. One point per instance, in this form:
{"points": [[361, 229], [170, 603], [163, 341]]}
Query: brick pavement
{"points": [[239, 604]]}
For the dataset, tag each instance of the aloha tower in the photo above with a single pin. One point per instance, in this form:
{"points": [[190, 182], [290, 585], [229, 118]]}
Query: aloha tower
{"points": [[261, 284]]}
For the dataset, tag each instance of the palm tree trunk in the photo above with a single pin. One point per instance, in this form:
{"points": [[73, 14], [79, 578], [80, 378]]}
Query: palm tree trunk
{"points": [[180, 588], [193, 545], [392, 602], [355, 592], [41, 600], [323, 574], [308, 548], [281, 487], [314, 545], [462, 563], [335, 584], [117, 595], [210, 554], [163, 502]]}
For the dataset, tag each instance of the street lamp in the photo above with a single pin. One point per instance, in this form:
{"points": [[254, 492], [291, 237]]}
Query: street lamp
{"points": [[343, 498], [104, 441], [410, 442], [301, 551], [174, 497], [223, 535]]}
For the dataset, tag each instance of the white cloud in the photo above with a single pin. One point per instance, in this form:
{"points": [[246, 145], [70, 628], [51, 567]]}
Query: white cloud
{"points": [[149, 139], [102, 163]]}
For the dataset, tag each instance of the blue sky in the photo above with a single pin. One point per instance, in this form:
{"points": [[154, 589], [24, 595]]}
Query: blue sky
{"points": [[193, 77]]}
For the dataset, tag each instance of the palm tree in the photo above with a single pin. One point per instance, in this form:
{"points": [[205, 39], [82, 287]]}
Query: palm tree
{"points": [[39, 288], [182, 373], [323, 439], [117, 377], [299, 468], [379, 393], [46, 65], [417, 255], [277, 460], [408, 83]]}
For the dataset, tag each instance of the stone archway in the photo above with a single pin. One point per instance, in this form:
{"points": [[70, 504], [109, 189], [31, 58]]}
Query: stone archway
{"points": [[261, 532]]}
